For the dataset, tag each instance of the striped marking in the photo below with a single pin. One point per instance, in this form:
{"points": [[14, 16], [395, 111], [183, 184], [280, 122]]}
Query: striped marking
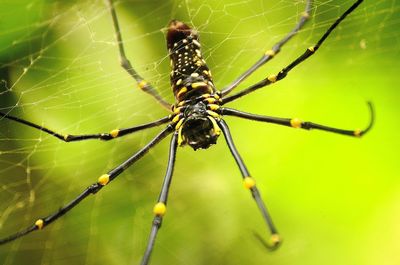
{"points": [[198, 84], [182, 91]]}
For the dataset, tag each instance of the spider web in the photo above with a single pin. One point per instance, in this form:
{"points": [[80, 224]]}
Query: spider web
{"points": [[59, 68]]}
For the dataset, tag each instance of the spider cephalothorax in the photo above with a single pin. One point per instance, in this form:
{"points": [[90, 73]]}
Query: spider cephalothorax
{"points": [[199, 129]]}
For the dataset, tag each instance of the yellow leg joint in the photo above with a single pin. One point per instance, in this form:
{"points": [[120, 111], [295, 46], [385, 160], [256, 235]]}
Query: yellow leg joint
{"points": [[295, 123], [179, 124], [275, 239], [180, 104], [213, 114], [114, 133], [39, 223], [249, 182], [181, 139], [270, 53], [178, 110], [142, 84], [272, 78], [159, 209], [217, 130], [176, 119], [357, 132], [305, 15], [311, 49], [104, 179]]}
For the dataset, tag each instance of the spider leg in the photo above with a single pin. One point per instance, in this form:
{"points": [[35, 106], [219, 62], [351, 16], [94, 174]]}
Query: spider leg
{"points": [[269, 54], [92, 189], [250, 184], [126, 64], [282, 74], [296, 123], [101, 136], [160, 207]]}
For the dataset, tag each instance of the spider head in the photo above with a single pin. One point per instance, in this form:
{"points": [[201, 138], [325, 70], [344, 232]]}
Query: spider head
{"points": [[199, 130]]}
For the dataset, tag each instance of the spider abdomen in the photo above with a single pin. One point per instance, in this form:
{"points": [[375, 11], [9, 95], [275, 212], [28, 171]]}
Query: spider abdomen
{"points": [[190, 75]]}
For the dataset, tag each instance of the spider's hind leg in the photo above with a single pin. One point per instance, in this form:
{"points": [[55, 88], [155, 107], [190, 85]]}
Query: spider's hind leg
{"points": [[250, 184], [102, 181], [160, 207]]}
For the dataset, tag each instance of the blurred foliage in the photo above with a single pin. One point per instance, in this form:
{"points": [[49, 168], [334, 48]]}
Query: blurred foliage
{"points": [[334, 199], [19, 23]]}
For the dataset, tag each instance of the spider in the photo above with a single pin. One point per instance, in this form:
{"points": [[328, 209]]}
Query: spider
{"points": [[196, 117]]}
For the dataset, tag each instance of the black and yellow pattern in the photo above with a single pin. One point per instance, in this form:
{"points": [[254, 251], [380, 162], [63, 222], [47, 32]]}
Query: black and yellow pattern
{"points": [[190, 75], [195, 119]]}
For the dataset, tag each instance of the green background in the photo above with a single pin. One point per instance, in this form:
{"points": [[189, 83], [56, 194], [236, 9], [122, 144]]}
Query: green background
{"points": [[334, 199]]}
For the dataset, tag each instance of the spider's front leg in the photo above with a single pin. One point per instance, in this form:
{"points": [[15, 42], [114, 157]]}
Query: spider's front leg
{"points": [[283, 73], [126, 64], [101, 136], [269, 54]]}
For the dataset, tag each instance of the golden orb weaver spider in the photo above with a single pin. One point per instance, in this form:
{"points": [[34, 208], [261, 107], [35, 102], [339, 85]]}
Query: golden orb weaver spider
{"points": [[196, 116]]}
